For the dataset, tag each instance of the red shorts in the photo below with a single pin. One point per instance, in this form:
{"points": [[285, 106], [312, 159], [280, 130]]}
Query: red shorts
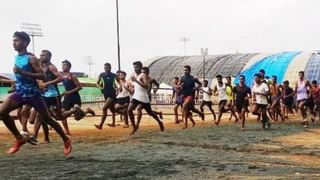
{"points": [[186, 98]]}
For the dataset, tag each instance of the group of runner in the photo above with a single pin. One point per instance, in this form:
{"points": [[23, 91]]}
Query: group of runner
{"points": [[38, 99], [269, 100]]}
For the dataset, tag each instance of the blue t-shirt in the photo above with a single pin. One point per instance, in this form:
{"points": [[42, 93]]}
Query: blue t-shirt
{"points": [[25, 86]]}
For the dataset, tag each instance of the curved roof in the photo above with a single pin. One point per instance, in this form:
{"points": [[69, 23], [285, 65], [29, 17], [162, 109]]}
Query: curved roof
{"points": [[284, 65], [164, 69]]}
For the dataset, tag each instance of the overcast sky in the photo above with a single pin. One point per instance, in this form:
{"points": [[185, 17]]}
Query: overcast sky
{"points": [[74, 29]]}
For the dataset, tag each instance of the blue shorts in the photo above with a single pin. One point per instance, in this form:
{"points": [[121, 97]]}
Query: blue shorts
{"points": [[36, 102]]}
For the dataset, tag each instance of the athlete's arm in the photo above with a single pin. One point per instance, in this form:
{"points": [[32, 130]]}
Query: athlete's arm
{"points": [[98, 83], [157, 85], [144, 82], [58, 75], [77, 88], [38, 72]]}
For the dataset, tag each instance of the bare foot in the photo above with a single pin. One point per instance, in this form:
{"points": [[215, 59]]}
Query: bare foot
{"points": [[98, 127], [111, 125]]}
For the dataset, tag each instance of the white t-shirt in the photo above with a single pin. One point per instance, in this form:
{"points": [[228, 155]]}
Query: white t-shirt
{"points": [[206, 96], [262, 88]]}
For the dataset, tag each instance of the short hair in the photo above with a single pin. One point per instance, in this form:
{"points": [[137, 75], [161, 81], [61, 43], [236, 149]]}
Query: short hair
{"points": [[23, 36], [137, 63], [205, 81], [257, 75], [262, 71], [286, 82], [314, 82], [145, 69], [67, 62], [48, 52], [267, 77], [176, 78], [274, 76], [188, 67], [301, 72], [218, 76], [228, 77], [242, 76], [122, 72], [107, 64]]}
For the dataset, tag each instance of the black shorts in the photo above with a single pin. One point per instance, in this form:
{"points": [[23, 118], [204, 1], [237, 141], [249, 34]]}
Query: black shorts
{"points": [[288, 102], [223, 103], [145, 106], [123, 101], [110, 96], [67, 103], [241, 105], [206, 103], [53, 102]]}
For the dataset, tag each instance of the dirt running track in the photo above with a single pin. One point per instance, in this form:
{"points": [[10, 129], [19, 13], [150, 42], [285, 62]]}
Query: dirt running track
{"points": [[287, 151]]}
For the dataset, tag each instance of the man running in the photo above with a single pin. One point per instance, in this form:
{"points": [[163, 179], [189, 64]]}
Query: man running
{"points": [[230, 103], [123, 97], [72, 101], [301, 90], [242, 94], [109, 91], [27, 70], [288, 99], [260, 91], [177, 98], [276, 95], [315, 94], [50, 92], [139, 109], [220, 90], [206, 100], [187, 83], [140, 96]]}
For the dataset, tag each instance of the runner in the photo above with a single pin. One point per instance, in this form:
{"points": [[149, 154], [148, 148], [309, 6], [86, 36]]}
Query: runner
{"points": [[315, 94], [276, 93], [230, 103], [27, 70], [206, 100], [123, 97], [140, 96], [109, 91], [177, 98], [288, 99], [187, 83], [260, 92], [220, 91], [242, 94], [71, 98], [139, 109], [301, 90]]}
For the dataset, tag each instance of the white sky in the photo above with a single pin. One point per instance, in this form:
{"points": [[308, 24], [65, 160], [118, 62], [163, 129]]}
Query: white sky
{"points": [[74, 29]]}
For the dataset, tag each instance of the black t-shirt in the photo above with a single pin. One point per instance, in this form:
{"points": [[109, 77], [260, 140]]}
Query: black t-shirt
{"points": [[288, 91], [188, 85], [241, 92]]}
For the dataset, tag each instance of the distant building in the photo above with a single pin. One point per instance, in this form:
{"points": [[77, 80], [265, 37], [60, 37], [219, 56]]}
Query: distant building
{"points": [[285, 65]]}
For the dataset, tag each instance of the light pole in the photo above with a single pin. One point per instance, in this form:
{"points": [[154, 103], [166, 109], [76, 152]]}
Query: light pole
{"points": [[204, 53], [185, 40], [118, 34], [33, 30], [89, 62]]}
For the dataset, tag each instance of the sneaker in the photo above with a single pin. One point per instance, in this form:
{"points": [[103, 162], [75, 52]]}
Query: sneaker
{"points": [[16, 146]]}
